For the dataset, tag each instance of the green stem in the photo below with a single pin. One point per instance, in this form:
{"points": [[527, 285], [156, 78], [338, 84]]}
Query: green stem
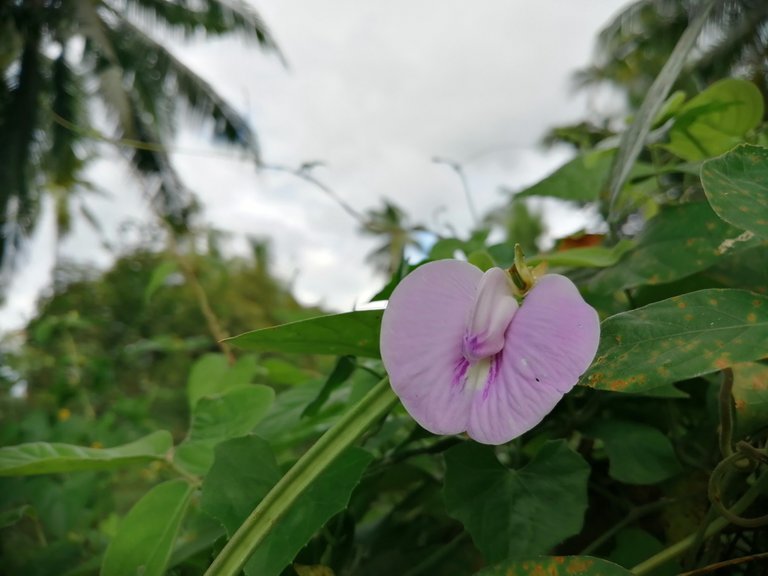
{"points": [[726, 413], [716, 526], [275, 504]]}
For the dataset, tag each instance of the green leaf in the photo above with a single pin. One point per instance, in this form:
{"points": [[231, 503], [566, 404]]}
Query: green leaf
{"points": [[556, 566], [219, 418], [510, 513], [282, 372], [750, 396], [159, 275], [634, 545], [212, 374], [579, 180], [344, 368], [678, 242], [232, 414], [52, 458], [589, 257], [245, 470], [351, 333], [678, 339], [145, 537], [736, 185], [638, 453], [716, 119]]}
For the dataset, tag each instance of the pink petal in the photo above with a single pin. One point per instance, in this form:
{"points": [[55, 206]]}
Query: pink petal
{"points": [[421, 343], [550, 342]]}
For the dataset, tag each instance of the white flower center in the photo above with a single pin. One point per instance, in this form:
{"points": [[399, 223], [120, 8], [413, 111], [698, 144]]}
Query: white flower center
{"points": [[488, 320]]}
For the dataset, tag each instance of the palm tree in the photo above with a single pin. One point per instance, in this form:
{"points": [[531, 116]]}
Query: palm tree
{"points": [[391, 223], [58, 57], [634, 46]]}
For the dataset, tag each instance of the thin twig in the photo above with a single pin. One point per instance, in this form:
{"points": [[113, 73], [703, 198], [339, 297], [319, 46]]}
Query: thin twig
{"points": [[304, 173], [464, 184], [725, 564]]}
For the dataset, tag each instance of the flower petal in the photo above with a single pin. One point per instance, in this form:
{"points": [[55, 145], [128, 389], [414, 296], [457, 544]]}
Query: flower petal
{"points": [[550, 342], [421, 343]]}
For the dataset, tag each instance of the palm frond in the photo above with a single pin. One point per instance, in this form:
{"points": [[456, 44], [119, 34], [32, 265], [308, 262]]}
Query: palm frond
{"points": [[19, 197], [168, 196], [63, 162], [212, 17], [162, 78], [745, 34]]}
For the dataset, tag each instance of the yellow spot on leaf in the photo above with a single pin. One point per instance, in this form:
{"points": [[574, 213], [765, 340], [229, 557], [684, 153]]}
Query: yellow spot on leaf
{"points": [[723, 362], [740, 404], [751, 317], [618, 385], [578, 565], [63, 414]]}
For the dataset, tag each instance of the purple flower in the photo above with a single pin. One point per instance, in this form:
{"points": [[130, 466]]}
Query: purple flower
{"points": [[462, 355]]}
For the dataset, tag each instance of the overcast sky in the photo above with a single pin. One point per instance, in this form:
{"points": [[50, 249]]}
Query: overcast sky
{"points": [[374, 90]]}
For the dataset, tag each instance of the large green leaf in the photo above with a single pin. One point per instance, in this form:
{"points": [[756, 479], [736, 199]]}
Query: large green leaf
{"points": [[512, 513], [243, 473], [678, 242], [353, 333], [212, 374], [145, 537], [679, 338], [556, 566], [716, 119], [736, 185], [580, 180], [638, 453], [47, 458], [750, 396], [219, 418]]}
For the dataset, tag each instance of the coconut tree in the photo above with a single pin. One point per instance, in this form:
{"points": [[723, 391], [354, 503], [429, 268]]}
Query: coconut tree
{"points": [[62, 59], [391, 223], [634, 46]]}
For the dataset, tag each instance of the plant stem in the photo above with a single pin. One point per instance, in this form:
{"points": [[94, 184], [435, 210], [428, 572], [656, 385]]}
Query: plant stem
{"points": [[726, 413], [716, 526], [278, 501]]}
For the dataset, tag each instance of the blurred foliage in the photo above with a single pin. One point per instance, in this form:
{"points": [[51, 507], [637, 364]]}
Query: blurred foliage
{"points": [[103, 362]]}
